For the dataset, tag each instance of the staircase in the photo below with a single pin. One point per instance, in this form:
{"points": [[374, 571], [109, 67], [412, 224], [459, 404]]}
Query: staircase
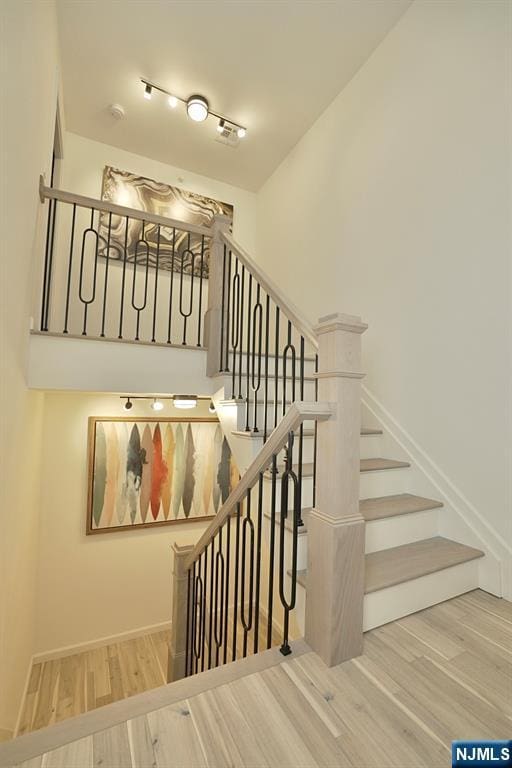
{"points": [[327, 534]]}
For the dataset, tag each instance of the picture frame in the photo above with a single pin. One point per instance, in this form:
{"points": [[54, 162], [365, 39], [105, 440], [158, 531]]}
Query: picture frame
{"points": [[148, 471]]}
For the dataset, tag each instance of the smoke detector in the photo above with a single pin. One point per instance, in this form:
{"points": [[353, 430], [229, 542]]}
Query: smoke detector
{"points": [[228, 135], [117, 111]]}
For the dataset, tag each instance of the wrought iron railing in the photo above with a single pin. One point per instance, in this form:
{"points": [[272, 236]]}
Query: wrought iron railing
{"points": [[242, 575], [118, 273]]}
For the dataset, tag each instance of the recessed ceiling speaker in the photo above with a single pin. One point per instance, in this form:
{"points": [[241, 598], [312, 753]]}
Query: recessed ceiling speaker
{"points": [[117, 111]]}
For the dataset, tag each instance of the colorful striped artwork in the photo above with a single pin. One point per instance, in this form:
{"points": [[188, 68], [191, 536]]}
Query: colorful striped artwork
{"points": [[145, 472]]}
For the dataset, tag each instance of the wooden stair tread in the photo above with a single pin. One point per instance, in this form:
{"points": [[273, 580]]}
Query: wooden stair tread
{"points": [[371, 465], [410, 561], [391, 506]]}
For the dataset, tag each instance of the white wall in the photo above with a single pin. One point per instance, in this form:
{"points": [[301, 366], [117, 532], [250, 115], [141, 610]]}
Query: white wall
{"points": [[28, 92], [92, 587], [396, 206]]}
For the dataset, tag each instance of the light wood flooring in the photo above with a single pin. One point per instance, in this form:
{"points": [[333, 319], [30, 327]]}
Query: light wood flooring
{"points": [[79, 683], [444, 673]]}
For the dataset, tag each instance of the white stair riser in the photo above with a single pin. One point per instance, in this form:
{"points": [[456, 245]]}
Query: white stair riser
{"points": [[371, 446], [307, 492], [401, 529], [393, 603], [385, 482]]}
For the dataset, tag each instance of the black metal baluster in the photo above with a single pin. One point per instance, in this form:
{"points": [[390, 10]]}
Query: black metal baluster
{"points": [[276, 367], [48, 255], [107, 264], [258, 563], [315, 436], [70, 268], [203, 629], [210, 626], [265, 391], [86, 302], [247, 525], [240, 365], [237, 578], [301, 429], [257, 327], [194, 620], [288, 348], [226, 364], [187, 635], [199, 316], [123, 280], [186, 315], [235, 324], [247, 361], [271, 554], [198, 607], [139, 309], [155, 294], [219, 604], [222, 312], [288, 605], [171, 286], [226, 589]]}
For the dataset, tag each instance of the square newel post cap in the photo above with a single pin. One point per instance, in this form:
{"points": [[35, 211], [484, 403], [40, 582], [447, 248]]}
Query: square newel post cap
{"points": [[221, 222], [338, 321]]}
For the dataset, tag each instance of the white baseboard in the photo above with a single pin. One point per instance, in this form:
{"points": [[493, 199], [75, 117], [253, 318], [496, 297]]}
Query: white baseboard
{"points": [[460, 519], [68, 650]]}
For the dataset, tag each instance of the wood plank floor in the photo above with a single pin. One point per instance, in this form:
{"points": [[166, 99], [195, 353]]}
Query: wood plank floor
{"points": [[441, 674], [75, 684]]}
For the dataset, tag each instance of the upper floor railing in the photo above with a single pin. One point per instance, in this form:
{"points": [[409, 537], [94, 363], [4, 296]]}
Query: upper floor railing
{"points": [[119, 273]]}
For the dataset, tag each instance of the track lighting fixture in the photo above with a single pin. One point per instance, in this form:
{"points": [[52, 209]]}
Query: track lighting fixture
{"points": [[157, 405], [211, 407], [128, 405], [185, 401], [198, 109]]}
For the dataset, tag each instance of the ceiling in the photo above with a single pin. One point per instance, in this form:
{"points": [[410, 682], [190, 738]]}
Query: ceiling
{"points": [[272, 66]]}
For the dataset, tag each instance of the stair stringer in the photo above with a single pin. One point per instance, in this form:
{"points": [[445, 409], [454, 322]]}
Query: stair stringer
{"points": [[459, 520]]}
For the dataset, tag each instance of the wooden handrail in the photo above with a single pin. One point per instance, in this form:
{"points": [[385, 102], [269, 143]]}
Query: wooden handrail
{"points": [[119, 210], [301, 324], [295, 415]]}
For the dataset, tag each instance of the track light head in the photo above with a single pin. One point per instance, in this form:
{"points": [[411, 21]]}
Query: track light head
{"points": [[241, 132], [197, 108], [221, 125], [172, 101], [185, 401], [157, 405], [128, 405], [211, 408], [148, 91]]}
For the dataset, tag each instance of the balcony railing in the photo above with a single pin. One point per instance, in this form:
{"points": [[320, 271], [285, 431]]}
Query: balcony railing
{"points": [[118, 273]]}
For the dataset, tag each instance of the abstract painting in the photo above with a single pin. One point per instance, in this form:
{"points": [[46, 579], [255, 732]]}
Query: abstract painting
{"points": [[177, 248], [147, 472]]}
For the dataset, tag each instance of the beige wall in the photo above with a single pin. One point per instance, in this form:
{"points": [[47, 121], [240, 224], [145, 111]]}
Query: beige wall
{"points": [[396, 206], [92, 587], [28, 94]]}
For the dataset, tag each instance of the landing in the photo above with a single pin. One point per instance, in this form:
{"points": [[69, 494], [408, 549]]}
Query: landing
{"points": [[441, 674]]}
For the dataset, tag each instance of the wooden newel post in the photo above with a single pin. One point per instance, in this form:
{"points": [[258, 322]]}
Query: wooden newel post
{"points": [[177, 646], [213, 318], [335, 581]]}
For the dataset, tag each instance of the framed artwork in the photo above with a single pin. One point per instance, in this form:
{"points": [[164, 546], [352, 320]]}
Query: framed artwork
{"points": [[148, 471], [175, 247]]}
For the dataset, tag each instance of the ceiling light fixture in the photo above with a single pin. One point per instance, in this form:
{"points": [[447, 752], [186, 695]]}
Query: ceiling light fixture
{"points": [[157, 405], [211, 407], [128, 405], [185, 401], [198, 109]]}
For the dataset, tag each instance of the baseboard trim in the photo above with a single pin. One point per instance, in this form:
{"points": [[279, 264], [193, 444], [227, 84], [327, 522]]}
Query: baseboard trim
{"points": [[45, 740], [496, 575], [88, 645]]}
